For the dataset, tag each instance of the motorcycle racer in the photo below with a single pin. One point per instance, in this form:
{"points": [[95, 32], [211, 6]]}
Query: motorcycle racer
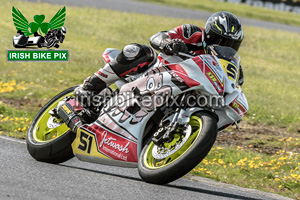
{"points": [[222, 28]]}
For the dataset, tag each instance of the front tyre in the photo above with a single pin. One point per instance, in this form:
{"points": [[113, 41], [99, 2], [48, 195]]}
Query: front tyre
{"points": [[162, 169], [49, 139]]}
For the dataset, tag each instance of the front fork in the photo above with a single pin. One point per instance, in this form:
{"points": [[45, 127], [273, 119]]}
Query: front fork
{"points": [[179, 120]]}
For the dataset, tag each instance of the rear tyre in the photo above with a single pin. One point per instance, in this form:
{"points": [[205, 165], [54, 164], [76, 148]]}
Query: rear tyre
{"points": [[203, 134], [52, 145]]}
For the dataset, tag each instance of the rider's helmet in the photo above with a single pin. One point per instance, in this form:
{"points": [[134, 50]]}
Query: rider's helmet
{"points": [[64, 29], [225, 29]]}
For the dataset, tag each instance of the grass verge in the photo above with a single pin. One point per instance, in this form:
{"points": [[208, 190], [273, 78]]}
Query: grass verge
{"points": [[241, 10], [278, 173], [14, 122]]}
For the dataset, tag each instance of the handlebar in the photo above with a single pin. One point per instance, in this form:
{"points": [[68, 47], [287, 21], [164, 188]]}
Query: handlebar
{"points": [[179, 53], [185, 54]]}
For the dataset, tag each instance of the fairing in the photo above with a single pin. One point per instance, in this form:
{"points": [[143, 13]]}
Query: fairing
{"points": [[118, 132]]}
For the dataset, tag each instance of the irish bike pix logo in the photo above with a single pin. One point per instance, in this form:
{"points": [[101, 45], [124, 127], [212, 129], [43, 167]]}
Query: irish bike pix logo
{"points": [[38, 40]]}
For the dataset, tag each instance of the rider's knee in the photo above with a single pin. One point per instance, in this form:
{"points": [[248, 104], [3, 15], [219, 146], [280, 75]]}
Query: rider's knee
{"points": [[134, 59]]}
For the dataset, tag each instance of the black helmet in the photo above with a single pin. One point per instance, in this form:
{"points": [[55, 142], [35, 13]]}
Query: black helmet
{"points": [[64, 29], [225, 29]]}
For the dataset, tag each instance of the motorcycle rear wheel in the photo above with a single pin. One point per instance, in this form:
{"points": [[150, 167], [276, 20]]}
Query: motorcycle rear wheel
{"points": [[202, 137], [52, 145]]}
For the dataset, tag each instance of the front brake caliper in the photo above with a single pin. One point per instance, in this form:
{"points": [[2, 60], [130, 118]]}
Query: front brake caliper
{"points": [[165, 134], [157, 137]]}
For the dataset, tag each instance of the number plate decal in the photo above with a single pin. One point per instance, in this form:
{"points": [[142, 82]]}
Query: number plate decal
{"points": [[95, 140]]}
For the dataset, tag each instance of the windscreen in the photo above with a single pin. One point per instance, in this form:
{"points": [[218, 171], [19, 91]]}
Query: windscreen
{"points": [[229, 59]]}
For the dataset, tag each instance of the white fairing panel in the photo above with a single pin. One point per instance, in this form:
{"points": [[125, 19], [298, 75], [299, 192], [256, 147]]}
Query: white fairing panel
{"points": [[234, 109]]}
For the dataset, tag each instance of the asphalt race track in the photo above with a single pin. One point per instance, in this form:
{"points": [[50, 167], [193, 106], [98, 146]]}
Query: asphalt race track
{"points": [[22, 177]]}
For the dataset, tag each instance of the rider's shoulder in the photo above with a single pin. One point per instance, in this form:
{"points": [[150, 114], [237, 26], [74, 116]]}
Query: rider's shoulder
{"points": [[190, 27], [187, 30]]}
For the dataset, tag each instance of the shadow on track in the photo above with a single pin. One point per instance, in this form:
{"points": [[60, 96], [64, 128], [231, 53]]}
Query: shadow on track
{"points": [[192, 189]]}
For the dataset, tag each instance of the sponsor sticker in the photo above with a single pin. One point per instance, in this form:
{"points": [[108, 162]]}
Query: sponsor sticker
{"points": [[66, 109], [116, 147]]}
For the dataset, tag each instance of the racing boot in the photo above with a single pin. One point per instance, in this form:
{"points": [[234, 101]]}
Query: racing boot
{"points": [[132, 60], [91, 94]]}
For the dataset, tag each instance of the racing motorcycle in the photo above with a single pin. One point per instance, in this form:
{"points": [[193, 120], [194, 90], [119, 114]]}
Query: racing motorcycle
{"points": [[155, 122], [52, 38]]}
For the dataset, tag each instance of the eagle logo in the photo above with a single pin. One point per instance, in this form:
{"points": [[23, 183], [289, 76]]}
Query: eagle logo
{"points": [[54, 31]]}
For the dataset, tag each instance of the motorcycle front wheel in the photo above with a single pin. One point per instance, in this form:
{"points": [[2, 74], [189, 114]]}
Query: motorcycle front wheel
{"points": [[159, 165], [49, 139]]}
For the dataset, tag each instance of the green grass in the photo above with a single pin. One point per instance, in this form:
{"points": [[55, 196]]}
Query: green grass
{"points": [[271, 65], [259, 138], [270, 61], [278, 173], [14, 122], [240, 10]]}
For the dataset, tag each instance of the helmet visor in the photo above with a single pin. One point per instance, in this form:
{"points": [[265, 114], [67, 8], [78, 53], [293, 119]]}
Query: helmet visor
{"points": [[213, 38]]}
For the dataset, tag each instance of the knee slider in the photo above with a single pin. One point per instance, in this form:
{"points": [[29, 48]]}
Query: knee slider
{"points": [[132, 51], [134, 58]]}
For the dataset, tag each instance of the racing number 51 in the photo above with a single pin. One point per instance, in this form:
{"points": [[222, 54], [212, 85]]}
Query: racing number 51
{"points": [[231, 71], [86, 142]]}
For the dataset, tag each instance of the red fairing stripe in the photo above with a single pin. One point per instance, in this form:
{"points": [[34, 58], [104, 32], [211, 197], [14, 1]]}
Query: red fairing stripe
{"points": [[199, 62], [238, 107], [178, 70], [218, 85], [114, 146]]}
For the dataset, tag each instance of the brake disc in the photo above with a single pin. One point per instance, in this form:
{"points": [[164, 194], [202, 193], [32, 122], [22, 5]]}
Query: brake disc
{"points": [[53, 122], [160, 152]]}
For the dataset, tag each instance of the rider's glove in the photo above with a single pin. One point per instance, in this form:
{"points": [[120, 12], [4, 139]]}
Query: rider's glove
{"points": [[175, 45], [84, 97]]}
